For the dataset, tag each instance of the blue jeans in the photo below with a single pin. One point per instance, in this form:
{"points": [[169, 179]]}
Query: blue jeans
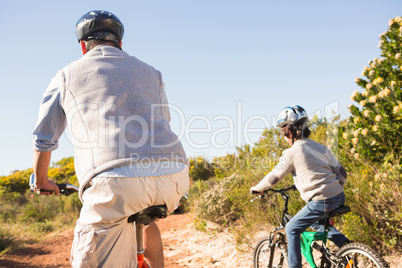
{"points": [[308, 216]]}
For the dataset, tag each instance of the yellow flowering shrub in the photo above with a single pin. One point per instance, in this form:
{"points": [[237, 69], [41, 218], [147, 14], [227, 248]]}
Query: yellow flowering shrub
{"points": [[354, 94], [373, 99], [377, 81], [371, 148], [366, 113], [378, 111]]}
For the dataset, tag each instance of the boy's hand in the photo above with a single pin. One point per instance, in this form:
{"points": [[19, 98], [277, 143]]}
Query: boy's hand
{"points": [[254, 191]]}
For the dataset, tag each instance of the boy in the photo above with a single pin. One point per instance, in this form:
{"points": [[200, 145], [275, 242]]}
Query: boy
{"points": [[318, 176]]}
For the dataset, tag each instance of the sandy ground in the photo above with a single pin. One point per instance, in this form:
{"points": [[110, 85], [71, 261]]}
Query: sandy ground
{"points": [[184, 246]]}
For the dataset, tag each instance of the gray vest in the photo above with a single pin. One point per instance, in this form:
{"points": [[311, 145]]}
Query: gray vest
{"points": [[114, 108]]}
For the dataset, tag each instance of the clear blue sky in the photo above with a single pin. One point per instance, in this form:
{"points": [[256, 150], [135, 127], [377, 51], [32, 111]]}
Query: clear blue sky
{"points": [[228, 65]]}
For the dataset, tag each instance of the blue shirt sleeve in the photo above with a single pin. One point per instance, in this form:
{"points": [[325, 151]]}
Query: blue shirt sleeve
{"points": [[51, 119]]}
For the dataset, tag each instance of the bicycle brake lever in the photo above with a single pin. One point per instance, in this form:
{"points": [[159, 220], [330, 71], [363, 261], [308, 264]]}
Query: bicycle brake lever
{"points": [[255, 198], [64, 190], [258, 197]]}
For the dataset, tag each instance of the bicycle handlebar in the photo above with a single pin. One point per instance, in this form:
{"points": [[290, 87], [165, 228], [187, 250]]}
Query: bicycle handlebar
{"points": [[281, 191], [293, 187], [65, 189]]}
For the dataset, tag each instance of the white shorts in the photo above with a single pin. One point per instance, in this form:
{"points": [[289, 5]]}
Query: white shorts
{"points": [[102, 236]]}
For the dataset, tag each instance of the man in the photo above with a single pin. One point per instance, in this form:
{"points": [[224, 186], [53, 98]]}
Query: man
{"points": [[126, 156]]}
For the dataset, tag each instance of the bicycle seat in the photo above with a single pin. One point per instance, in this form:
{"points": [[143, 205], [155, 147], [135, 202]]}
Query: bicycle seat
{"points": [[149, 215], [339, 211]]}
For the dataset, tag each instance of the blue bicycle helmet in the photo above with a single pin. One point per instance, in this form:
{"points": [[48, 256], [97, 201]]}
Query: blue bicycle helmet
{"points": [[292, 115]]}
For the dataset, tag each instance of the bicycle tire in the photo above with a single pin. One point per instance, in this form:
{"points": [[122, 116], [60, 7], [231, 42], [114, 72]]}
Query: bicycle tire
{"points": [[359, 255], [264, 252]]}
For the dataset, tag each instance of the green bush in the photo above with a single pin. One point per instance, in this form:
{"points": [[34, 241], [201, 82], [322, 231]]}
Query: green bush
{"points": [[6, 240], [354, 227], [42, 227], [215, 205], [39, 209], [200, 168], [28, 215]]}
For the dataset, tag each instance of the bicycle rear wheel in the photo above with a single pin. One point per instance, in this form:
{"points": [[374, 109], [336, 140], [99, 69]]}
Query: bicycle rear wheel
{"points": [[270, 256], [359, 255]]}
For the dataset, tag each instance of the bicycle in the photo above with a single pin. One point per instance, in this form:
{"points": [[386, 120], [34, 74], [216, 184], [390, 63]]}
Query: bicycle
{"points": [[141, 218], [271, 252]]}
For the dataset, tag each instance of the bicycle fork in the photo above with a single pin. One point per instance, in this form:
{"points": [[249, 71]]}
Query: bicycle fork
{"points": [[278, 239]]}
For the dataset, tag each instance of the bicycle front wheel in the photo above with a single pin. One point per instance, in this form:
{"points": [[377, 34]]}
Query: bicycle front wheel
{"points": [[270, 256], [359, 255]]}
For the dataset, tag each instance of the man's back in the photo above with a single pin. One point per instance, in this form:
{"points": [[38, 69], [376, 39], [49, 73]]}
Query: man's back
{"points": [[117, 112]]}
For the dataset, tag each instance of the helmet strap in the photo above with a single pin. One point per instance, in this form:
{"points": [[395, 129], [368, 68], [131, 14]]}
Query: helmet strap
{"points": [[84, 48], [293, 132], [118, 43]]}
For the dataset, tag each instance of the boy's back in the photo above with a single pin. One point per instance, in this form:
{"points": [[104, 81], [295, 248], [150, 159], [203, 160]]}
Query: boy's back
{"points": [[316, 172]]}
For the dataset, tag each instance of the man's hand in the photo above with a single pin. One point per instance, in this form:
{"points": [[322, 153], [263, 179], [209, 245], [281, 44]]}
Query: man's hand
{"points": [[48, 187], [41, 162]]}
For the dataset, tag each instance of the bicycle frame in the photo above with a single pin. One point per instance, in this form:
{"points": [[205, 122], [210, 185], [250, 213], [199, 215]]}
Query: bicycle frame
{"points": [[272, 251], [307, 238]]}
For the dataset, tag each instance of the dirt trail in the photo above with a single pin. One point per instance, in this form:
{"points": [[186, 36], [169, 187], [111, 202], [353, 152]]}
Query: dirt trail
{"points": [[184, 246]]}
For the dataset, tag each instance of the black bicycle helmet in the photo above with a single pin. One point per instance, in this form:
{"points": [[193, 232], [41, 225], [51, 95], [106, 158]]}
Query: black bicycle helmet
{"points": [[101, 25]]}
